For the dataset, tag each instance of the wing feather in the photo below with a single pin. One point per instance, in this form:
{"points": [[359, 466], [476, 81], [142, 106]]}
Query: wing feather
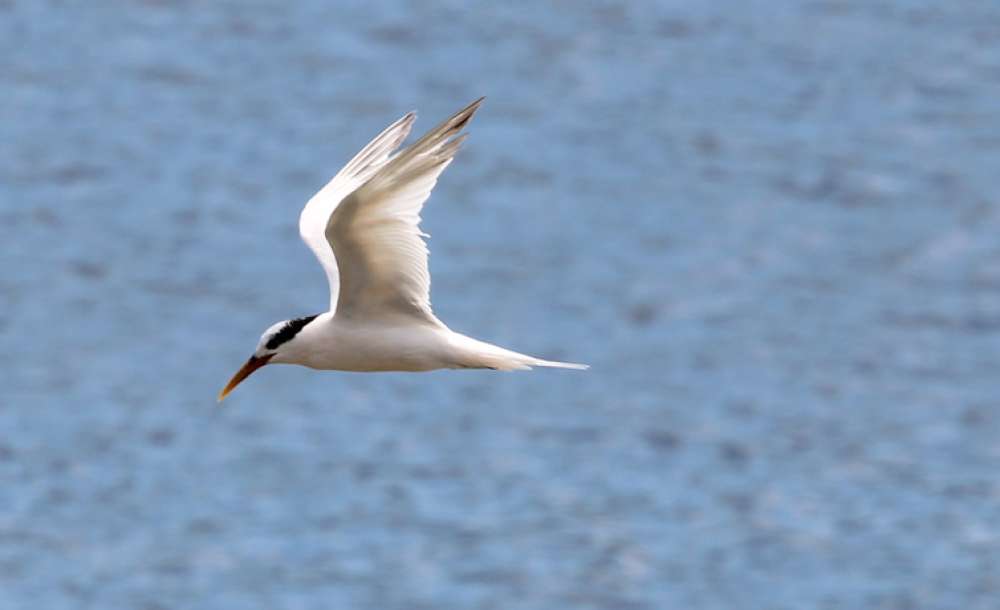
{"points": [[317, 211], [375, 232]]}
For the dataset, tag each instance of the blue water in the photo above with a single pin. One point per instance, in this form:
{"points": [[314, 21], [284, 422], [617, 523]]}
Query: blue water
{"points": [[770, 227]]}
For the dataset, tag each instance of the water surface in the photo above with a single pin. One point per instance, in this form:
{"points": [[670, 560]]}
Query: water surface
{"points": [[771, 228]]}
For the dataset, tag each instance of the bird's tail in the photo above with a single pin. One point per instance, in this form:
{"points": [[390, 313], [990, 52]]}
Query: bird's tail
{"points": [[554, 364], [474, 354]]}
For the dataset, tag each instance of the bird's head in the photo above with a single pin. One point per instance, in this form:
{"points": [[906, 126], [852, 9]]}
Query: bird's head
{"points": [[273, 346]]}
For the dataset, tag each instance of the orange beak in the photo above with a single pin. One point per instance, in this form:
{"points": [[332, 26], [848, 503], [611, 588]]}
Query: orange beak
{"points": [[245, 371]]}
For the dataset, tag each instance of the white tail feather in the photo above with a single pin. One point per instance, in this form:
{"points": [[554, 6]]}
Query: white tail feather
{"points": [[475, 354], [561, 365]]}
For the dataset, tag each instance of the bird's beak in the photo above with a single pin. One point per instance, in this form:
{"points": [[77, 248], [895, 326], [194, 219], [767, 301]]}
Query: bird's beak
{"points": [[251, 365]]}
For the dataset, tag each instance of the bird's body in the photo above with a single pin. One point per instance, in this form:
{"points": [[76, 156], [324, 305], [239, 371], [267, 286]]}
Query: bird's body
{"points": [[331, 343], [363, 227]]}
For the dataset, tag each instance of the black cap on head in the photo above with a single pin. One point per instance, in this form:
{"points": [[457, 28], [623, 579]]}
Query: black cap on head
{"points": [[289, 330]]}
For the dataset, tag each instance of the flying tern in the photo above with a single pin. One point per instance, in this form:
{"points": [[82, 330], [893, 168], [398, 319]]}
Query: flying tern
{"points": [[363, 226]]}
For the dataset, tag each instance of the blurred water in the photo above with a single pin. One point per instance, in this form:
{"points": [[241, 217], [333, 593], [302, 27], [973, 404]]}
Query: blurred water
{"points": [[771, 227]]}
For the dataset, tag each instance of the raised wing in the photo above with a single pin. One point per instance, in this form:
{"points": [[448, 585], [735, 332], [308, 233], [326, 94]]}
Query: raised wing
{"points": [[375, 231], [316, 214]]}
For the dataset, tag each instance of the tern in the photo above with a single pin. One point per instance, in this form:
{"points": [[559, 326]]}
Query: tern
{"points": [[364, 228]]}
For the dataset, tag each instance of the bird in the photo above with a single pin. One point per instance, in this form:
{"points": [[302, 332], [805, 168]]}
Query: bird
{"points": [[364, 229]]}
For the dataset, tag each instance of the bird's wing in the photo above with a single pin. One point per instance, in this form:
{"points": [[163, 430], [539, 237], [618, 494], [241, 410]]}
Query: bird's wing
{"points": [[375, 231], [316, 213]]}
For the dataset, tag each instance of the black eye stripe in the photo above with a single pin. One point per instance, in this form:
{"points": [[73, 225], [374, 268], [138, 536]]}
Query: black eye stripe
{"points": [[289, 330]]}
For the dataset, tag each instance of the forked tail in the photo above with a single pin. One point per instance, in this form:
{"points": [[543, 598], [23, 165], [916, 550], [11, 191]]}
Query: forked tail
{"points": [[474, 354], [553, 364]]}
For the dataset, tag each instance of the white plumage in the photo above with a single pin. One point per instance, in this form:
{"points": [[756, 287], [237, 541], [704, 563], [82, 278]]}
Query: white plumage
{"points": [[364, 228]]}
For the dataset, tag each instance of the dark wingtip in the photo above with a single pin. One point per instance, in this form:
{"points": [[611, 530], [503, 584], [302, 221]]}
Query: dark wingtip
{"points": [[463, 116], [474, 106]]}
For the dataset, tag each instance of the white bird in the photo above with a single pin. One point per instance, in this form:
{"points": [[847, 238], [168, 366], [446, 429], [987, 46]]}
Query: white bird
{"points": [[363, 226]]}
